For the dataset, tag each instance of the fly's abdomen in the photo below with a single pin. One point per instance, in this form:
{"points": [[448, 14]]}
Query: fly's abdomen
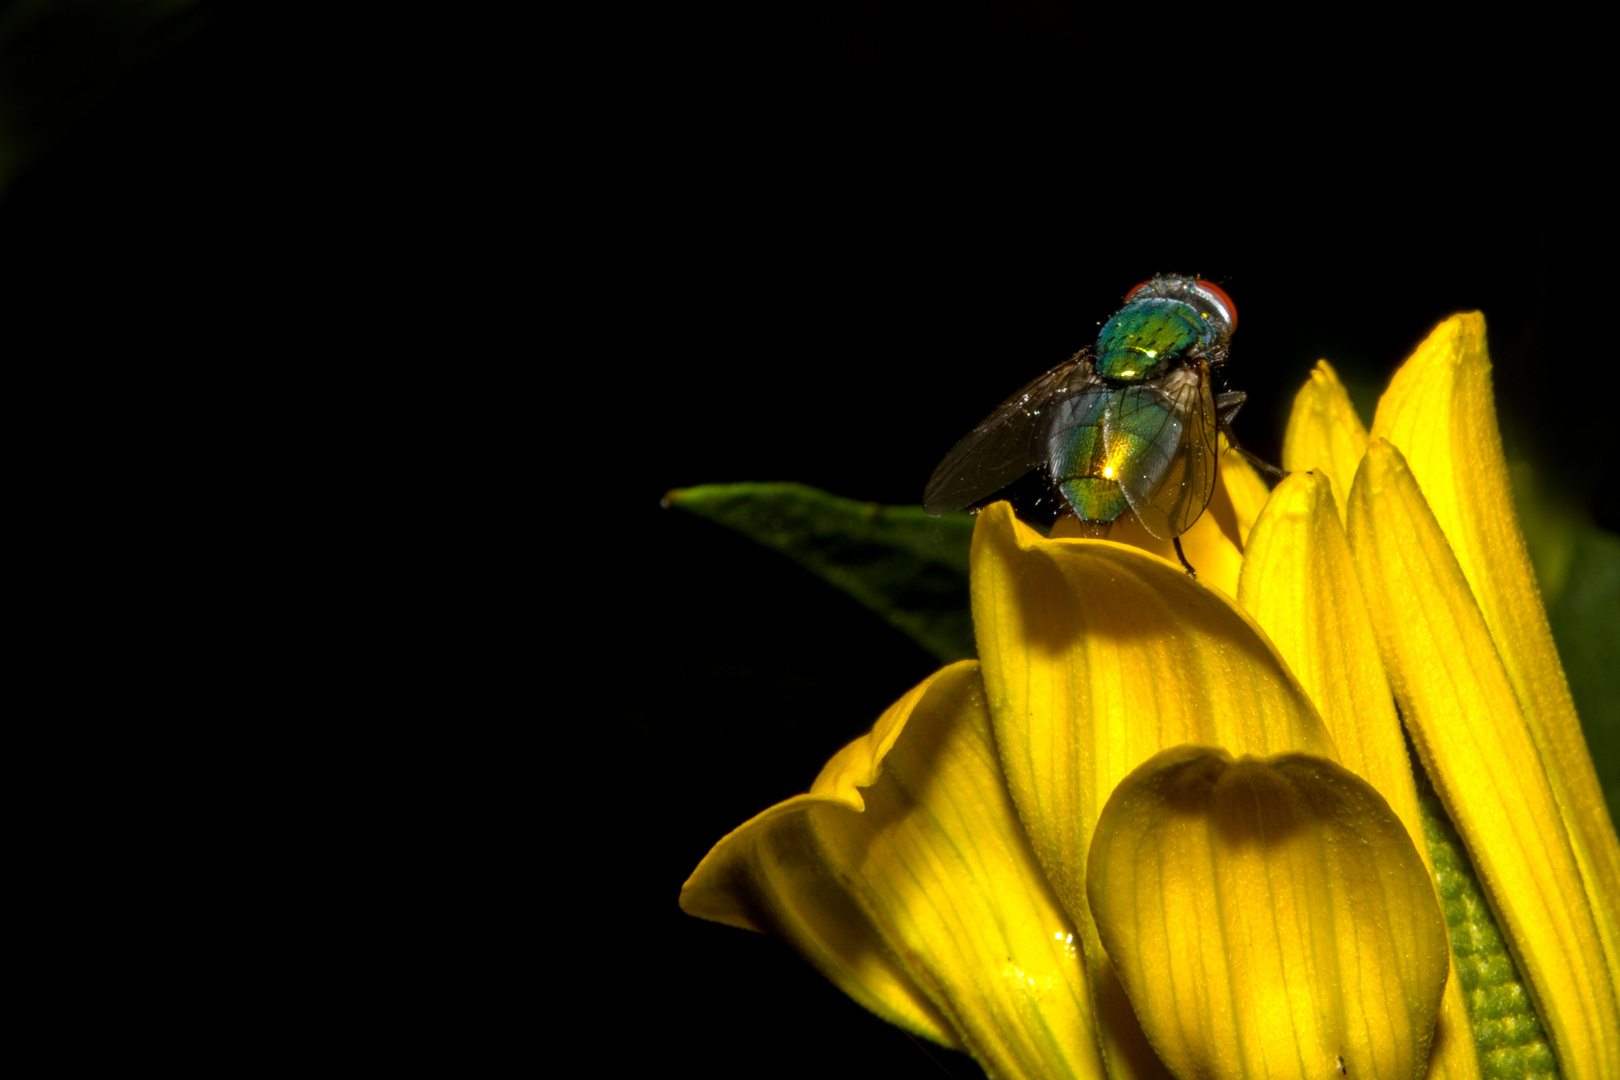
{"points": [[1127, 439], [1087, 474]]}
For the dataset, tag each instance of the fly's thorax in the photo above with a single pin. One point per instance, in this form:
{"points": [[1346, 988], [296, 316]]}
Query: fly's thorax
{"points": [[1150, 338]]}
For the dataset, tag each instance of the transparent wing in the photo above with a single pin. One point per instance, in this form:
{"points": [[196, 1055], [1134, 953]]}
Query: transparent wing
{"points": [[1011, 441], [1166, 433]]}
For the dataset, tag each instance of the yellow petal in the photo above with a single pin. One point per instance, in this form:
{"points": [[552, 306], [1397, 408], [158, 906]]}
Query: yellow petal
{"points": [[1299, 583], [1268, 919], [1324, 432], [905, 878], [1477, 748], [1096, 656], [1440, 411]]}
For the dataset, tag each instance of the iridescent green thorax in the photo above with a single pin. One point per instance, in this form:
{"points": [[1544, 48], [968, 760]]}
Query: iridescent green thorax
{"points": [[1146, 338]]}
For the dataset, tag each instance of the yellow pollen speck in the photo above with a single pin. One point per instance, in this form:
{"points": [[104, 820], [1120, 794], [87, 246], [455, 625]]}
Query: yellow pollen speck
{"points": [[1108, 472]]}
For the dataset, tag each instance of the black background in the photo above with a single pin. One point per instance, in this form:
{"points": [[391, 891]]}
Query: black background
{"points": [[453, 306]]}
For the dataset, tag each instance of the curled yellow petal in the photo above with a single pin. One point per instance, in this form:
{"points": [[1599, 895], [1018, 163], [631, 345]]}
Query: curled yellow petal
{"points": [[1299, 582], [1268, 919], [1324, 432], [1095, 657], [905, 878], [1441, 413], [1477, 748]]}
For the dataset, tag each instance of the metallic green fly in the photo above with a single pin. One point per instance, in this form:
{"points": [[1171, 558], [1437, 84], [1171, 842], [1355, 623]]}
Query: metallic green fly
{"points": [[1127, 425]]}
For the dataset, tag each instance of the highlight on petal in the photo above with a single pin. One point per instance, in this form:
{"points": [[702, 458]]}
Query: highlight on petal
{"points": [[1324, 432], [1095, 657], [1440, 411], [1478, 751], [1268, 918], [905, 878], [1299, 582]]}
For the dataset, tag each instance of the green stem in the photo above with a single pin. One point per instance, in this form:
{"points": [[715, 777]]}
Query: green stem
{"points": [[1507, 1032]]}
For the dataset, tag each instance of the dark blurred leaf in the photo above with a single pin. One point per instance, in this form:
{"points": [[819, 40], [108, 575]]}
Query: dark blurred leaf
{"points": [[909, 568], [1585, 620]]}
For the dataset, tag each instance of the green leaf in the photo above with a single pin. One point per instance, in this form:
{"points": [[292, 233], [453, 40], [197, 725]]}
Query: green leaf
{"points": [[909, 568]]}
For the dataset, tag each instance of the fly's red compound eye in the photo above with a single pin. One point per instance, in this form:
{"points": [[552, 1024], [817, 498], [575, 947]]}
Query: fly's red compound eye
{"points": [[1138, 287], [1217, 294]]}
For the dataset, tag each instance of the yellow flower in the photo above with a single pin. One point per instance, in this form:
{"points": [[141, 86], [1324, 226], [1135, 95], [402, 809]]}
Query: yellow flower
{"points": [[1152, 828]]}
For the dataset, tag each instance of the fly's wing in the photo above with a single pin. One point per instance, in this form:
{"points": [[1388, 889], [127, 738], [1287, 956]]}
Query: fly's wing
{"points": [[1165, 433], [1011, 441]]}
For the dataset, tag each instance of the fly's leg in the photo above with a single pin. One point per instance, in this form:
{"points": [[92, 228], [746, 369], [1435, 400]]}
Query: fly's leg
{"points": [[1226, 407], [1260, 463], [1176, 540]]}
